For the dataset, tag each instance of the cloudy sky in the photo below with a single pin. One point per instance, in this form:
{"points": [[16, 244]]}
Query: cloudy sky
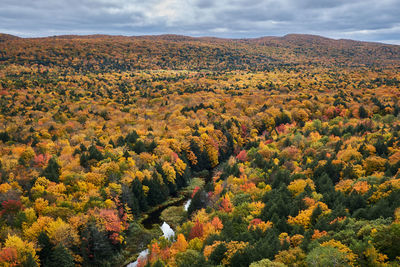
{"points": [[369, 20]]}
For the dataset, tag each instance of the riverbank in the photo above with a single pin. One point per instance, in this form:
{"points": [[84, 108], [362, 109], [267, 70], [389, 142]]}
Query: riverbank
{"points": [[153, 215]]}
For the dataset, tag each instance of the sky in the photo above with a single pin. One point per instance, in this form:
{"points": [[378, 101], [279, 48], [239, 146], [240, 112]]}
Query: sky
{"points": [[367, 20]]}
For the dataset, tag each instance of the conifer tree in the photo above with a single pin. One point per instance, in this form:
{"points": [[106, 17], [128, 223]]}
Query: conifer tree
{"points": [[52, 171], [61, 257]]}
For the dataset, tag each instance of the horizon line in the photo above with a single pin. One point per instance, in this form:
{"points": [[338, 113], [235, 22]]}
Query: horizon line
{"points": [[192, 36]]}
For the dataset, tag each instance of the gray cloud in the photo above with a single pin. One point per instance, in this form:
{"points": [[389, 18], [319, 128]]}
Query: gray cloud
{"points": [[369, 20]]}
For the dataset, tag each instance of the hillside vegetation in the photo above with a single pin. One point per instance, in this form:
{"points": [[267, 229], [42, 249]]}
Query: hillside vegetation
{"points": [[100, 53], [296, 137]]}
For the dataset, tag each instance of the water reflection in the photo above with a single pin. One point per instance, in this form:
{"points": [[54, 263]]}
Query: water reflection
{"points": [[187, 204], [142, 256], [168, 233]]}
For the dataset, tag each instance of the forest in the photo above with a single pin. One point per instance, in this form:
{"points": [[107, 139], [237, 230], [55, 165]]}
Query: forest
{"points": [[288, 147]]}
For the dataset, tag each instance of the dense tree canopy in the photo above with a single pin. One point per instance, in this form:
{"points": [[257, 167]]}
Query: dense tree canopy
{"points": [[299, 162]]}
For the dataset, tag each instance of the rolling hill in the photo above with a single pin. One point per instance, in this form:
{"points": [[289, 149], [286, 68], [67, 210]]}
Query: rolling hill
{"points": [[105, 52]]}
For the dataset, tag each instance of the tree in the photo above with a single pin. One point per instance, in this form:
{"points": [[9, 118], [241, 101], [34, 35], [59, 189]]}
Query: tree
{"points": [[30, 261], [326, 257], [95, 246], [197, 230], [60, 256], [198, 201], [158, 192], [61, 232], [181, 244], [52, 171], [158, 263], [9, 210], [25, 250], [190, 258], [130, 138], [387, 238], [137, 190], [139, 147], [282, 205], [241, 258], [374, 163], [218, 254], [226, 204], [242, 156], [169, 171], [129, 199], [267, 263], [46, 248], [362, 112], [94, 153], [292, 257], [8, 256]]}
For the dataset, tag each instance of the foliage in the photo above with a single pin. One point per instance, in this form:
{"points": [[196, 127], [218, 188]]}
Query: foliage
{"points": [[290, 147]]}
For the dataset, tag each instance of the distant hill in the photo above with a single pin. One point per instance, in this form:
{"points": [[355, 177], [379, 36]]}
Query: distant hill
{"points": [[105, 52], [6, 37]]}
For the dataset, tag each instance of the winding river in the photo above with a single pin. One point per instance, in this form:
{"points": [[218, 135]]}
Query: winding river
{"points": [[167, 231]]}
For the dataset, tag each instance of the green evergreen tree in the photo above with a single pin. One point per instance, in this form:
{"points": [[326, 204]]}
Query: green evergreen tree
{"points": [[128, 198], [190, 258], [94, 153], [52, 171], [46, 248], [95, 247], [362, 112], [198, 201], [139, 147], [61, 257], [218, 254], [241, 259], [387, 240], [30, 261], [130, 138], [158, 192], [137, 190]]}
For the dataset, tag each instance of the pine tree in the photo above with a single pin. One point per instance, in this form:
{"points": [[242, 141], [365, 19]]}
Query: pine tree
{"points": [[362, 112], [137, 190], [61, 257], [95, 246], [46, 248], [198, 201], [158, 192], [30, 261], [128, 198], [84, 160], [139, 147], [218, 254], [130, 138], [52, 171], [94, 153]]}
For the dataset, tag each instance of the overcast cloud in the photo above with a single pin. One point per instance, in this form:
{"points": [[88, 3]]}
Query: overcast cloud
{"points": [[369, 20]]}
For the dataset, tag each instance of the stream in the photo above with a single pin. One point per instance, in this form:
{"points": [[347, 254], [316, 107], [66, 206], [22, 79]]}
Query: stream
{"points": [[154, 218]]}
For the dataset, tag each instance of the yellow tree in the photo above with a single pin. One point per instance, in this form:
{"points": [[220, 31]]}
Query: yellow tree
{"points": [[23, 249]]}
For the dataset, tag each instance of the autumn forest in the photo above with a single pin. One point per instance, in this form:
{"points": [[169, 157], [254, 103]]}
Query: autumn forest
{"points": [[288, 149]]}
